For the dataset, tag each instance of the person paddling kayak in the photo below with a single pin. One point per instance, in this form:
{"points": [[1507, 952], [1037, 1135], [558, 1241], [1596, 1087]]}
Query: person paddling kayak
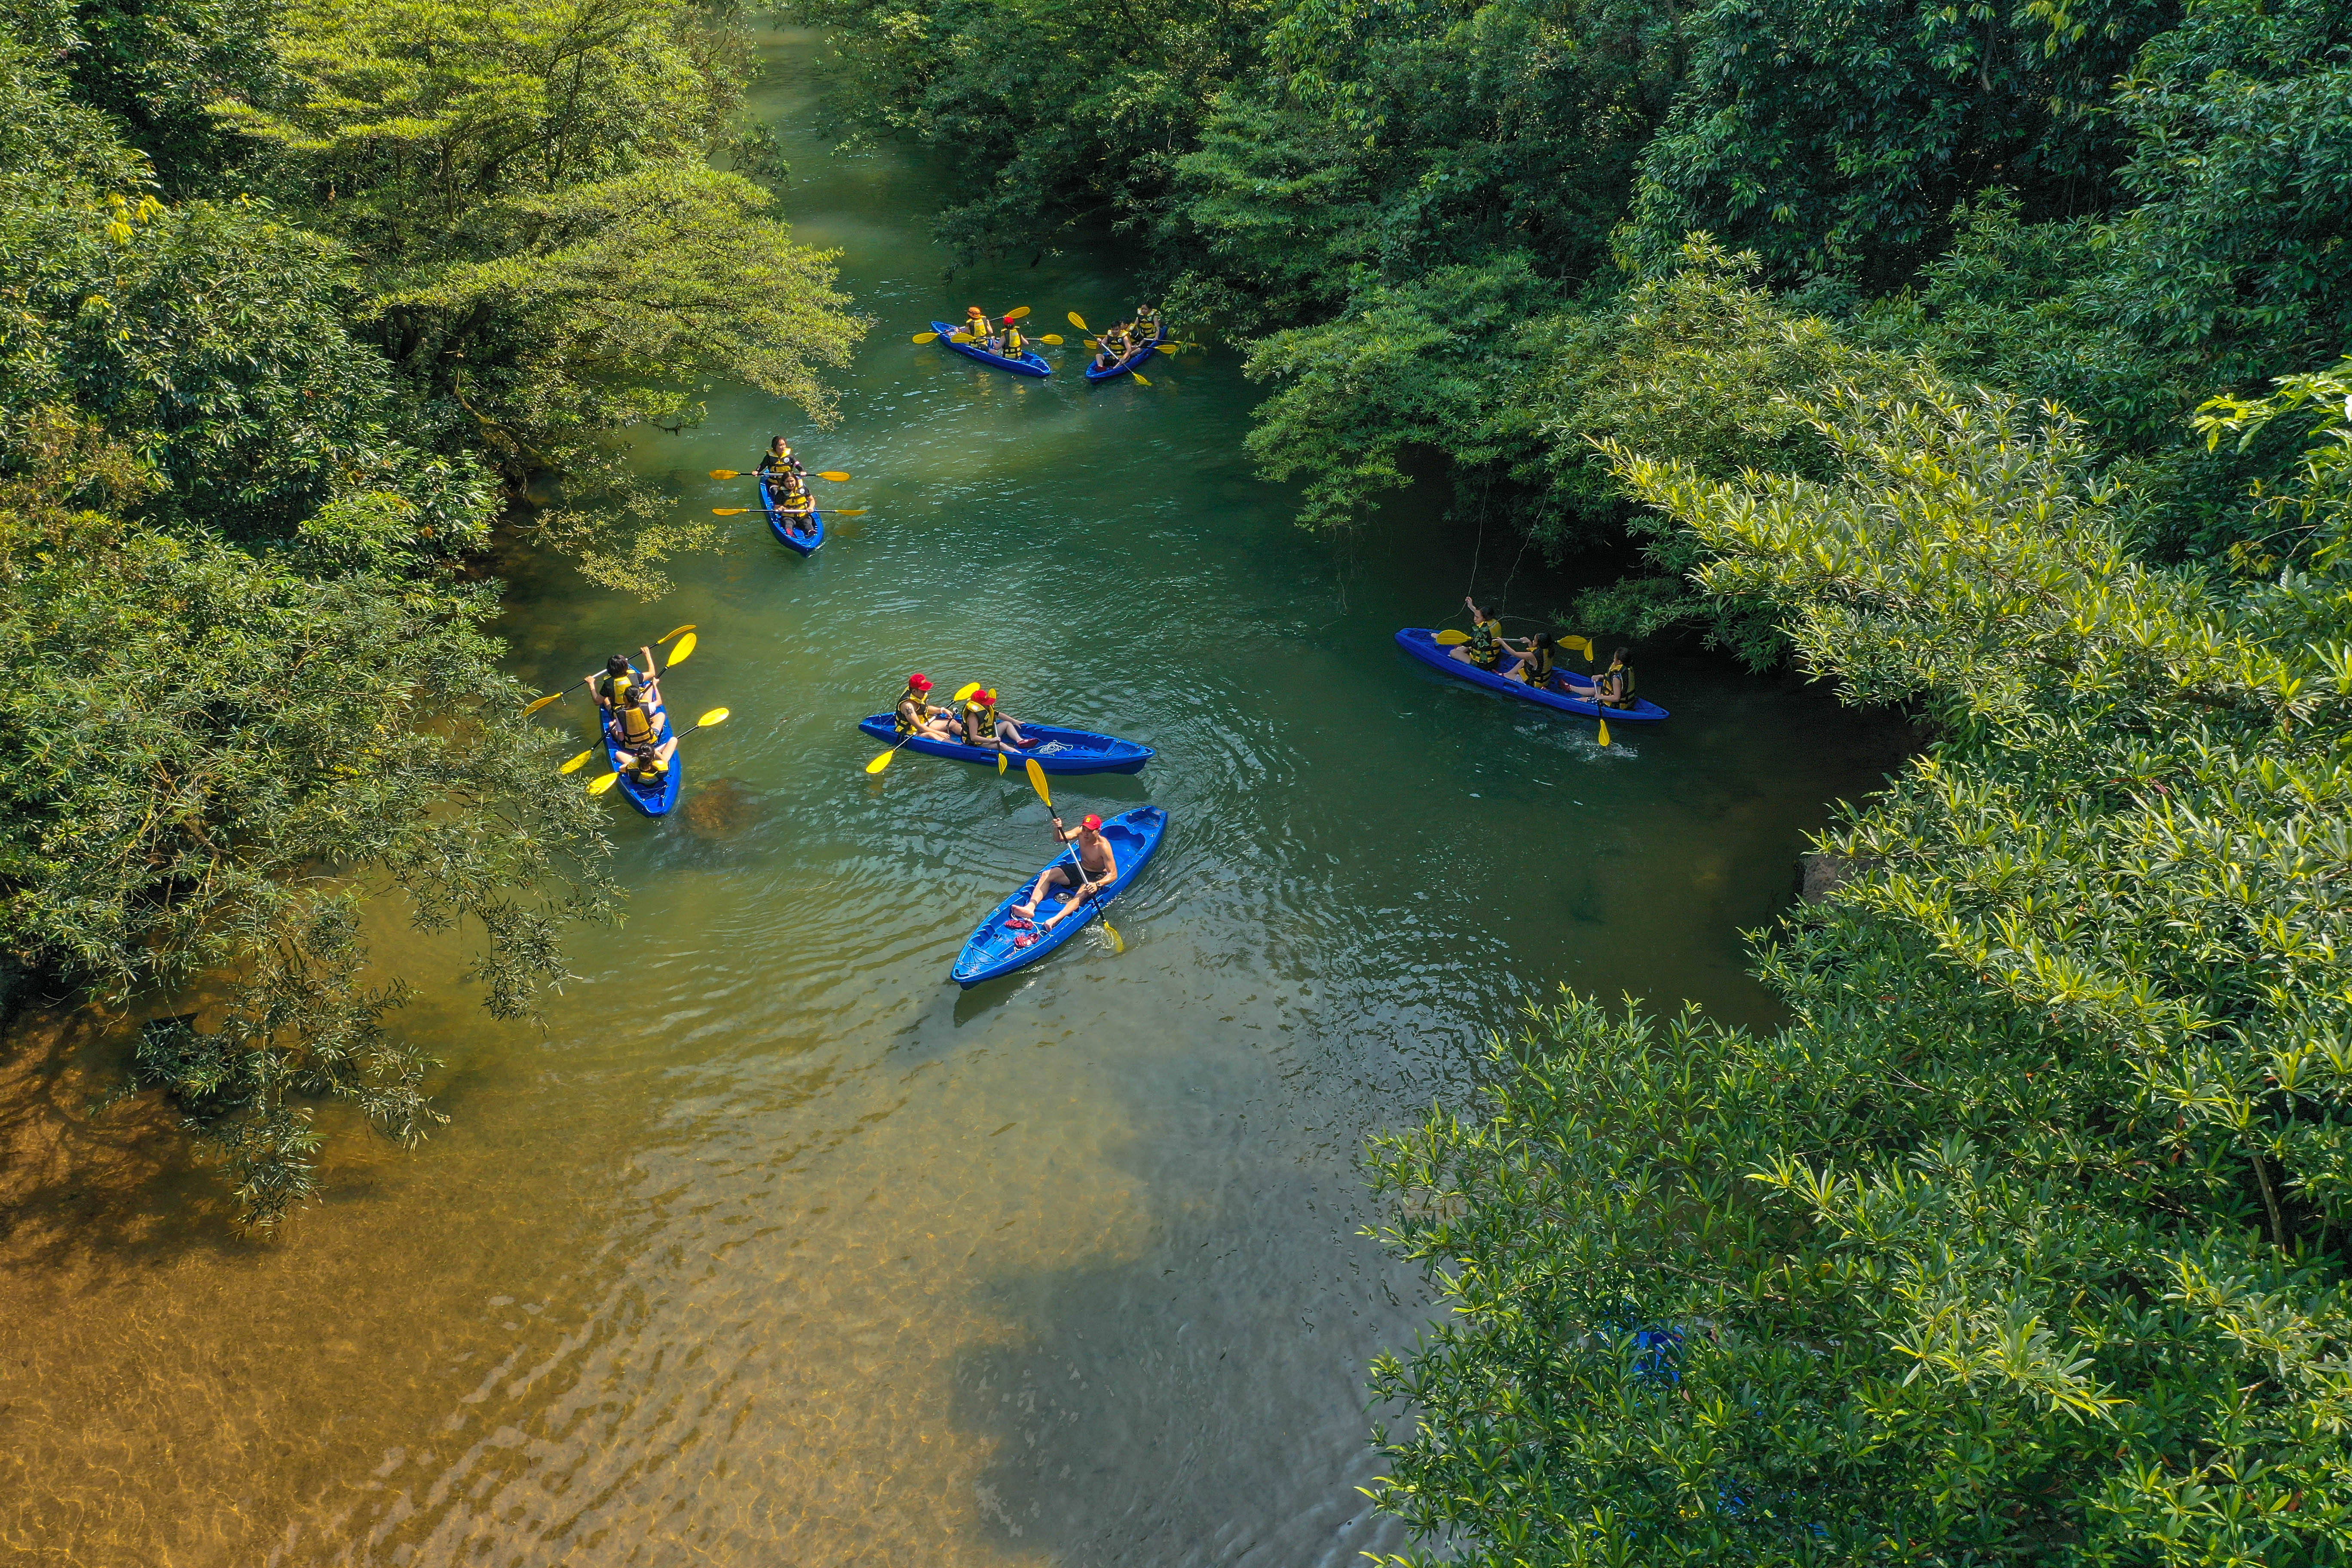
{"points": [[915, 716], [1537, 657], [612, 688], [1098, 869], [793, 503]]}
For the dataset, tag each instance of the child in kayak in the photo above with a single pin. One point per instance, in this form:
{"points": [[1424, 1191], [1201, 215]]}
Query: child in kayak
{"points": [[1537, 658], [796, 505], [1098, 869], [915, 716], [612, 688], [647, 765], [780, 458]]}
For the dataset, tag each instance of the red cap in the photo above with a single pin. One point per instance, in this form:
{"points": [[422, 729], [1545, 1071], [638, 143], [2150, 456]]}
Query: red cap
{"points": [[920, 681], [987, 699], [1091, 822]]}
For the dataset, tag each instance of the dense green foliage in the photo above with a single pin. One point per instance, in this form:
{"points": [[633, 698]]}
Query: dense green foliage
{"points": [[1974, 356], [1433, 219], [293, 299]]}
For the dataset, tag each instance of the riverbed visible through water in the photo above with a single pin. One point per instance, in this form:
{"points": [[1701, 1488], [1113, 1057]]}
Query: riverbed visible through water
{"points": [[773, 1247]]}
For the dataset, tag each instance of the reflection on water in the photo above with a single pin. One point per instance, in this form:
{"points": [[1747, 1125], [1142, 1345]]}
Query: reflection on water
{"points": [[772, 1246]]}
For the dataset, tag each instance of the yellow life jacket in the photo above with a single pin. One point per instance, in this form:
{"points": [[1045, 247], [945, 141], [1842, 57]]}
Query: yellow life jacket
{"points": [[800, 503], [1617, 686], [1538, 670], [981, 718], [1012, 340], [1485, 643], [898, 717], [637, 726], [649, 770]]}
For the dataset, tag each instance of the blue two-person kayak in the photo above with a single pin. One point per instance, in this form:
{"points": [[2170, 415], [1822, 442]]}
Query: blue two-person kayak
{"points": [[990, 952], [1135, 357], [779, 521], [1031, 362], [1057, 751], [653, 799], [1423, 644]]}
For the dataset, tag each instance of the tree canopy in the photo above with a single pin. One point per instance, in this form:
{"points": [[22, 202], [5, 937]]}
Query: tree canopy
{"points": [[292, 302]]}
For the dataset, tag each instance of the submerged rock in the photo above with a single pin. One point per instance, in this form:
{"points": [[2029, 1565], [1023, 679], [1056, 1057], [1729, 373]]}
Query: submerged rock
{"points": [[720, 809]]}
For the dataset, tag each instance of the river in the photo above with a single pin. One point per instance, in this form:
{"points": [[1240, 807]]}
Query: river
{"points": [[772, 1247]]}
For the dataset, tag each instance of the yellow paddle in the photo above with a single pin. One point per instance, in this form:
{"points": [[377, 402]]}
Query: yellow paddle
{"points": [[1016, 312], [1038, 783], [598, 786], [835, 475], [678, 655], [1080, 321], [559, 696], [1451, 638], [926, 337], [728, 510], [1053, 338], [960, 337], [1166, 348], [576, 763], [1140, 379]]}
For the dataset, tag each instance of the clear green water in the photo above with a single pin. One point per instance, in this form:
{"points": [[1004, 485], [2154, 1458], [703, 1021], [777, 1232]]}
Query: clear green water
{"points": [[773, 1247]]}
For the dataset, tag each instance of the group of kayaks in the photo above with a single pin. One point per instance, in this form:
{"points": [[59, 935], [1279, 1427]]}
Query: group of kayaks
{"points": [[1005, 940]]}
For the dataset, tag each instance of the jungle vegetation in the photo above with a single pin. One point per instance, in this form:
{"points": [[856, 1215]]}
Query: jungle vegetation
{"points": [[295, 300], [1984, 359]]}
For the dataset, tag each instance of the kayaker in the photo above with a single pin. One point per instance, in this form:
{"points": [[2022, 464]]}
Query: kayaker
{"points": [[975, 325], [915, 716], [780, 458], [984, 727], [606, 688], [796, 505], [1100, 868], [1484, 648], [649, 765], [1537, 657], [1616, 683], [638, 722]]}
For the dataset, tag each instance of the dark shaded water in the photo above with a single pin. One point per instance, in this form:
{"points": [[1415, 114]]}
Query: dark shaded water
{"points": [[773, 1248]]}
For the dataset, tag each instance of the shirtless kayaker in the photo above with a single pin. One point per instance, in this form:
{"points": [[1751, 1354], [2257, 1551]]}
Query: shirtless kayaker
{"points": [[1095, 860]]}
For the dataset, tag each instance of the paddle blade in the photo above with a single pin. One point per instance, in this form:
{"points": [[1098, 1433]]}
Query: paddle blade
{"points": [[854, 512], [542, 702], [1604, 732], [664, 639], [726, 474], [1451, 638], [964, 691], [1094, 342], [678, 655], [1080, 321], [959, 337], [728, 510], [879, 763], [1038, 783], [716, 716], [1111, 931], [1166, 348], [999, 764], [1016, 312], [576, 763], [600, 785], [1053, 338], [1140, 379], [835, 475], [926, 337]]}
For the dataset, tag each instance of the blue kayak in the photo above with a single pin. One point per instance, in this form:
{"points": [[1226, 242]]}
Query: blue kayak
{"points": [[1057, 751], [1135, 357], [804, 542], [1423, 645], [653, 799], [989, 951], [1031, 362]]}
